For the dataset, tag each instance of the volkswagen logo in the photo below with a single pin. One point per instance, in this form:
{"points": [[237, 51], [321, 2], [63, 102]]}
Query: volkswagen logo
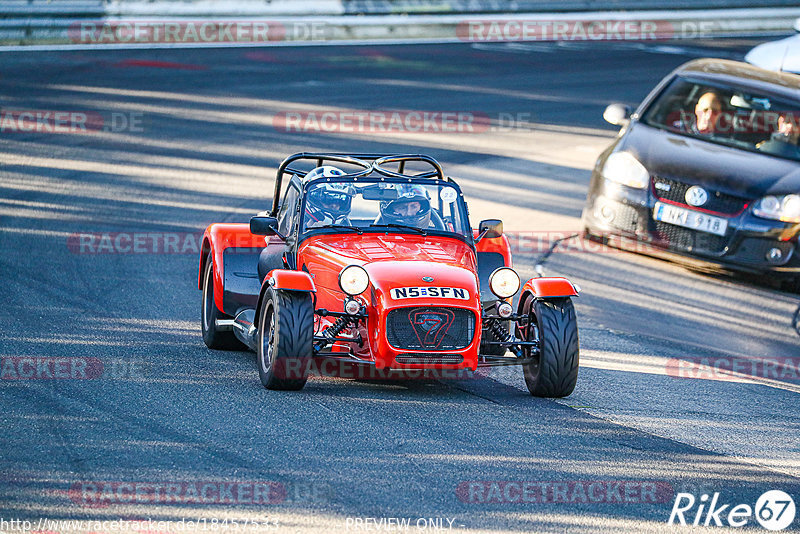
{"points": [[696, 196], [427, 279]]}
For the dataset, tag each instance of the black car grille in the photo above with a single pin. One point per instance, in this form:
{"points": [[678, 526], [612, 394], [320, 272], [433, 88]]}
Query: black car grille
{"points": [[677, 237], [428, 359], [717, 202], [625, 217], [430, 328]]}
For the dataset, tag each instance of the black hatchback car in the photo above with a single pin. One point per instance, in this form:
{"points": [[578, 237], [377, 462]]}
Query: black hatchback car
{"points": [[707, 168]]}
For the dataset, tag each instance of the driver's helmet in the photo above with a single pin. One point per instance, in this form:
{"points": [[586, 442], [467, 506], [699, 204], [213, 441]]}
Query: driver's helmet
{"points": [[329, 200], [412, 207]]}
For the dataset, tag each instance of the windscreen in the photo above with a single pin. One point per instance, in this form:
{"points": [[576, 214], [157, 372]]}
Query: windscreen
{"points": [[402, 206], [728, 115]]}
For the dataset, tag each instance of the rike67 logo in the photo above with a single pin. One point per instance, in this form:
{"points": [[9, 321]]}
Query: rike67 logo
{"points": [[774, 510]]}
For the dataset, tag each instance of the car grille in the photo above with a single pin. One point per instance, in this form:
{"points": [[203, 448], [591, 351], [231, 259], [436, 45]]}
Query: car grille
{"points": [[425, 358], [677, 237], [430, 328], [717, 202], [625, 217]]}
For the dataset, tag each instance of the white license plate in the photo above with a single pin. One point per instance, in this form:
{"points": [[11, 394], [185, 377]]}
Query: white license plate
{"points": [[690, 219]]}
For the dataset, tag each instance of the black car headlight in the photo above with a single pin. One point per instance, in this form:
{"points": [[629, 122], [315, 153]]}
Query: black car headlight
{"points": [[623, 168], [784, 208]]}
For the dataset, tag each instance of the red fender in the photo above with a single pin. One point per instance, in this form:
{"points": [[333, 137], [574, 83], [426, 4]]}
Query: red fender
{"points": [[550, 287], [216, 239], [287, 280], [291, 280]]}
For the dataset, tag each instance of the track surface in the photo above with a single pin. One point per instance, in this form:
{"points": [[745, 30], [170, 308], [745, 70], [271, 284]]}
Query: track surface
{"points": [[206, 151]]}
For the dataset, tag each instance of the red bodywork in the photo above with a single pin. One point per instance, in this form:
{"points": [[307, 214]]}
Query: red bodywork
{"points": [[550, 287], [216, 239], [393, 260]]}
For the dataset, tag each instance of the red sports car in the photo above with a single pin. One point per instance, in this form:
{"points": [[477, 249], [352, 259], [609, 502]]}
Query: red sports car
{"points": [[362, 262]]}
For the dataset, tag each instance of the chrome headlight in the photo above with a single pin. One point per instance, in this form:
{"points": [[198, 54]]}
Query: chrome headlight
{"points": [[353, 280], [623, 168], [504, 282], [784, 208]]}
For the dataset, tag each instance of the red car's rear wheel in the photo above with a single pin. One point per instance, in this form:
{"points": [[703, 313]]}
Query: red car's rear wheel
{"points": [[213, 337]]}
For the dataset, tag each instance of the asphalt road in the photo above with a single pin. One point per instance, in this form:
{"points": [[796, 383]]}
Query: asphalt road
{"points": [[178, 139]]}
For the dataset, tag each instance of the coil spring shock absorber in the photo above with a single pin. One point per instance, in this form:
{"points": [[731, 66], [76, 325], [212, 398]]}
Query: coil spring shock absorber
{"points": [[500, 332], [336, 328]]}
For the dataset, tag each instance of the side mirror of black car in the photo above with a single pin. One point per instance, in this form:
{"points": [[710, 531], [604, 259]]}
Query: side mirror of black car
{"points": [[263, 225], [490, 228], [617, 114]]}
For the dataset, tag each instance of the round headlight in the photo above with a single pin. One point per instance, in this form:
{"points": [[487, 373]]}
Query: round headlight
{"points": [[504, 282], [353, 280], [504, 310]]}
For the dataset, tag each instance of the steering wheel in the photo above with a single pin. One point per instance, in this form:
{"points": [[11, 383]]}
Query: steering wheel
{"points": [[436, 220]]}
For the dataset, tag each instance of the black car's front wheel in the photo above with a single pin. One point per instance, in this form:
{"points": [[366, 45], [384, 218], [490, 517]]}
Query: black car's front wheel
{"points": [[554, 324], [285, 339]]}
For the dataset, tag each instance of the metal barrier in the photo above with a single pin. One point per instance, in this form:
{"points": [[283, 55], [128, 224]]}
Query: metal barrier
{"points": [[26, 22], [389, 7]]}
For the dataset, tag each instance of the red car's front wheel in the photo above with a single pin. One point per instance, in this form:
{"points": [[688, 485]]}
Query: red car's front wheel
{"points": [[554, 323], [285, 339]]}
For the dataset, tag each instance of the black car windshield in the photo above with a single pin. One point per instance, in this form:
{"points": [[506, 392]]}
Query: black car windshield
{"points": [[381, 205], [728, 115]]}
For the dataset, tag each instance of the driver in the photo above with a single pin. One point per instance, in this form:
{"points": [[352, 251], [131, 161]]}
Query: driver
{"points": [[328, 203], [412, 207], [706, 115], [707, 112]]}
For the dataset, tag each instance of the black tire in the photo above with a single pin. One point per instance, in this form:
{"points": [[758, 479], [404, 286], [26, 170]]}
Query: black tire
{"points": [[209, 313], [285, 339], [554, 323]]}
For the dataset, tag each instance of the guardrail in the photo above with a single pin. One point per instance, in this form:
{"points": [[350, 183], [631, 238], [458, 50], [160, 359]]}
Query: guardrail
{"points": [[254, 22], [393, 7]]}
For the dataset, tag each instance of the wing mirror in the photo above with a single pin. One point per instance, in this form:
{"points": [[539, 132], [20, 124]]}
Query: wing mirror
{"points": [[263, 225], [617, 114], [490, 228]]}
